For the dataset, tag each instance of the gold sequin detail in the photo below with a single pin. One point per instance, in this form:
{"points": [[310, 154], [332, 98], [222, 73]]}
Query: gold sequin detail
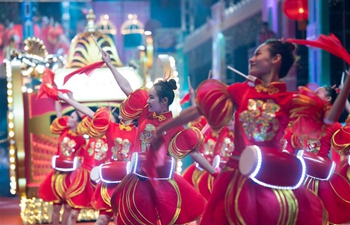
{"points": [[67, 146], [99, 148], [269, 89], [259, 120], [146, 136], [121, 149]]}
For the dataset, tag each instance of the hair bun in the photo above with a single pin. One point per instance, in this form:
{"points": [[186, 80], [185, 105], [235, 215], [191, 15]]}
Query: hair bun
{"points": [[172, 84], [291, 46]]}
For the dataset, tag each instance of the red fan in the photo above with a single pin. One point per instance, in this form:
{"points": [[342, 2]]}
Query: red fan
{"points": [[86, 69], [48, 87], [329, 43]]}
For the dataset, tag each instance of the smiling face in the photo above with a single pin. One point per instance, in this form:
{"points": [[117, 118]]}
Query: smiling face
{"points": [[73, 120], [154, 103], [261, 63]]}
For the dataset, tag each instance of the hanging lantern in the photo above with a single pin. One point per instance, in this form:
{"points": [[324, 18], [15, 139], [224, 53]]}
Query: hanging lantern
{"points": [[296, 9]]}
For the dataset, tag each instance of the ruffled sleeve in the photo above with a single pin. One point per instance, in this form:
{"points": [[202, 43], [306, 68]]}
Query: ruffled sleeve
{"points": [[83, 126], [99, 123], [185, 142], [199, 123], [59, 124], [214, 102], [133, 105], [307, 115], [341, 140]]}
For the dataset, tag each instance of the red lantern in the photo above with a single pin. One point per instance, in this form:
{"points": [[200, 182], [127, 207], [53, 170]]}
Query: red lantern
{"points": [[296, 9]]}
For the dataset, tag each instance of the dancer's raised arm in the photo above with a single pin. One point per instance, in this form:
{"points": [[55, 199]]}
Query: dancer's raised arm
{"points": [[58, 108], [78, 106], [185, 117], [122, 82], [334, 113]]}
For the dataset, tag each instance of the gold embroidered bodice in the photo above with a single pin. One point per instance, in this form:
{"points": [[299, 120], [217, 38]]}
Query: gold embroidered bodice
{"points": [[121, 149], [259, 120], [67, 146], [227, 147], [99, 148], [208, 148], [146, 136]]}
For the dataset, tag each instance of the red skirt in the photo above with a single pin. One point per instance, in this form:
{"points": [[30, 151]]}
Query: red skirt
{"points": [[238, 200], [80, 191], [344, 168], [193, 175], [54, 187], [206, 184], [101, 199], [174, 201], [335, 195]]}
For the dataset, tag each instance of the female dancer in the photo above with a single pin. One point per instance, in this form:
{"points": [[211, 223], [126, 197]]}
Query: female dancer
{"points": [[222, 151], [54, 187], [115, 153], [81, 189], [331, 187], [194, 173], [262, 107], [341, 144], [152, 193]]}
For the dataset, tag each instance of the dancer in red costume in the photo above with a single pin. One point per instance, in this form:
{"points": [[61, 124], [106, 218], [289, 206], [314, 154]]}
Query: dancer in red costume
{"points": [[121, 139], [194, 173], [222, 151], [153, 193], [331, 187], [110, 144], [81, 189], [341, 144], [268, 194], [55, 185]]}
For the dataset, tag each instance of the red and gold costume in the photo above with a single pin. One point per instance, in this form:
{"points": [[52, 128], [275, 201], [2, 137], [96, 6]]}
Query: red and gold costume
{"points": [[261, 116], [55, 185], [222, 152], [120, 139], [80, 191], [194, 173], [332, 188], [173, 201], [341, 144]]}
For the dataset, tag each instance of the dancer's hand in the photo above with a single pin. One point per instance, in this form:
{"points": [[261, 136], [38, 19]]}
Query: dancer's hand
{"points": [[61, 96], [105, 57]]}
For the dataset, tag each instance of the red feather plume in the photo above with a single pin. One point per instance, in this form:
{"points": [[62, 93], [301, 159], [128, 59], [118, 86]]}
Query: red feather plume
{"points": [[329, 43]]}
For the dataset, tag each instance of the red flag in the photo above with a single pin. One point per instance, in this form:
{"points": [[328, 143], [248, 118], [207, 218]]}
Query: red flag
{"points": [[86, 69], [329, 43], [185, 99], [48, 87]]}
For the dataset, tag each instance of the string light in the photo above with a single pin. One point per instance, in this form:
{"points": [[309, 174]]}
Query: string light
{"points": [[36, 211], [11, 132]]}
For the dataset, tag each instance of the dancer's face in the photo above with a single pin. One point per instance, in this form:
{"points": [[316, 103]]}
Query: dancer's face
{"points": [[154, 103], [261, 62], [73, 120]]}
